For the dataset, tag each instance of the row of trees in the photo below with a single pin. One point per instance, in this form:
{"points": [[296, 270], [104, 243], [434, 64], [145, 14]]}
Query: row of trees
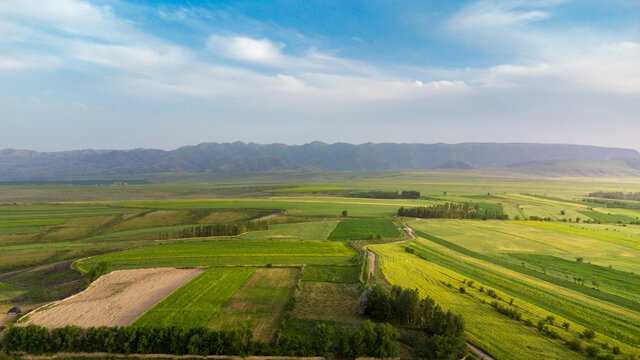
{"points": [[375, 194], [617, 195], [225, 229], [34, 339], [369, 340], [451, 211], [404, 307], [614, 204]]}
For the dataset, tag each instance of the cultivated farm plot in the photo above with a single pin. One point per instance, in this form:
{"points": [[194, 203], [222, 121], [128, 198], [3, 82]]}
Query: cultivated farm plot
{"points": [[362, 229], [229, 252], [327, 302], [313, 230], [503, 338], [193, 304], [259, 303], [115, 299]]}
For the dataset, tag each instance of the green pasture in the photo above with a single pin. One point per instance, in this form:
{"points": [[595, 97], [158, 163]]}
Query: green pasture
{"points": [[306, 190], [333, 274], [498, 238], [313, 230], [628, 235], [194, 303], [228, 252], [309, 206], [362, 229]]}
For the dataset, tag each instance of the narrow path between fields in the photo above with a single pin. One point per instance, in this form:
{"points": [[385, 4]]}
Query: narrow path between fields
{"points": [[372, 269], [372, 256]]}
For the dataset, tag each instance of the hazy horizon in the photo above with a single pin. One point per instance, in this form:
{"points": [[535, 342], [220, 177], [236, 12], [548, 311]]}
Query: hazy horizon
{"points": [[304, 143], [106, 74]]}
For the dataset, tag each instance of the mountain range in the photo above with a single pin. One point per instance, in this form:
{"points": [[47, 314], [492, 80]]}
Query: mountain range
{"points": [[19, 165]]}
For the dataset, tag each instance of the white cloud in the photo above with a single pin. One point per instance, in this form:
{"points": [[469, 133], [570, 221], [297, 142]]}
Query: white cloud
{"points": [[245, 49]]}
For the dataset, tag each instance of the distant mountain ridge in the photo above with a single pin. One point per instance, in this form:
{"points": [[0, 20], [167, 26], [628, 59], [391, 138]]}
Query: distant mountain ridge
{"points": [[18, 165]]}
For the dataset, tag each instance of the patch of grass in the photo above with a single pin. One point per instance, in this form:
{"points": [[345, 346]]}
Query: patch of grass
{"points": [[328, 302], [307, 190], [361, 229], [334, 274], [606, 218], [314, 230], [259, 303], [19, 230], [607, 279], [228, 252], [32, 222], [194, 303]]}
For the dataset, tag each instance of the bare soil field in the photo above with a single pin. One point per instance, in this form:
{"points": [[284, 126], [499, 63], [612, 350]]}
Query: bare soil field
{"points": [[115, 299]]}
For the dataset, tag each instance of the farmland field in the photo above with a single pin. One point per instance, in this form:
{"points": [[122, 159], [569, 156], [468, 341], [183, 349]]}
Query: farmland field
{"points": [[358, 229], [308, 267], [194, 303], [259, 303], [115, 299], [228, 252]]}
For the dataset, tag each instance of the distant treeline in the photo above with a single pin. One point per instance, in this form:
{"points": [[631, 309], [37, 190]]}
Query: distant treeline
{"points": [[617, 195], [452, 211], [405, 194], [404, 307], [225, 229], [614, 204], [369, 340]]}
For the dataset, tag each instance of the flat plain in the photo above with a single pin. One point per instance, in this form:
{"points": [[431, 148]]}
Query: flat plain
{"points": [[550, 259]]}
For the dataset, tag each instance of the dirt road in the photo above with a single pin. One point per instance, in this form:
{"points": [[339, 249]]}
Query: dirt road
{"points": [[371, 256]]}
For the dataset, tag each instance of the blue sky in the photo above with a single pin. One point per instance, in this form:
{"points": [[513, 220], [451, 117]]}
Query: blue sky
{"points": [[162, 74]]}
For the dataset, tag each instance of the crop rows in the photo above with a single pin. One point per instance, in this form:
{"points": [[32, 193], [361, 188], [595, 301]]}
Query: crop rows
{"points": [[360, 229], [229, 252], [194, 303]]}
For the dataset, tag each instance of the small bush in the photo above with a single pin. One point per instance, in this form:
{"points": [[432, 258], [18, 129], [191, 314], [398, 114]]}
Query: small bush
{"points": [[592, 351], [588, 334], [575, 345]]}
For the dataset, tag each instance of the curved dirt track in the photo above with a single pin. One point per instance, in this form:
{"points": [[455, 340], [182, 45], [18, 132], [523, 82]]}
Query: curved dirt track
{"points": [[115, 299]]}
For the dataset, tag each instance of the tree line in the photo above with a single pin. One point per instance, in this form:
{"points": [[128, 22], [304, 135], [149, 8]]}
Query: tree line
{"points": [[369, 340], [614, 204], [224, 229], [34, 339], [451, 211], [376, 194], [617, 195]]}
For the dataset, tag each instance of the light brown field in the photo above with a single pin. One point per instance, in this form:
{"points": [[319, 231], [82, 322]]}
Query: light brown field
{"points": [[115, 299], [260, 302]]}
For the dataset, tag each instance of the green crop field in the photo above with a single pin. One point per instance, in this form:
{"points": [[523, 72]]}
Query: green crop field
{"points": [[519, 261], [228, 252], [360, 229], [335, 274], [511, 341], [194, 303], [259, 303], [306, 189], [313, 230]]}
